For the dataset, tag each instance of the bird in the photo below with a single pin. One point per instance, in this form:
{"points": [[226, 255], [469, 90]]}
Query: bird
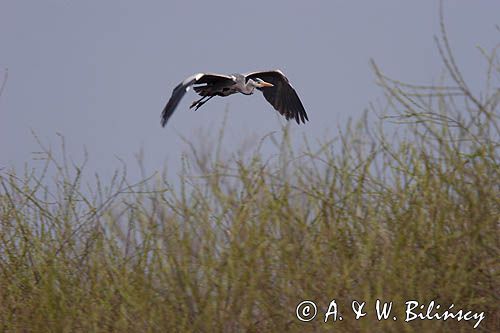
{"points": [[273, 84]]}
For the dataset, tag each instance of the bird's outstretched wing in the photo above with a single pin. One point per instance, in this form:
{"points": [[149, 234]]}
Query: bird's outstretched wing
{"points": [[184, 86], [281, 96]]}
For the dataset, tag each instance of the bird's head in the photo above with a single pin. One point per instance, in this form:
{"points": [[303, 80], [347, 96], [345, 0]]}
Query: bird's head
{"points": [[259, 83]]}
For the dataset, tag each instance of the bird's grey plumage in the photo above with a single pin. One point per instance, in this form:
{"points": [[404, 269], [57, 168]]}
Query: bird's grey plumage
{"points": [[273, 84]]}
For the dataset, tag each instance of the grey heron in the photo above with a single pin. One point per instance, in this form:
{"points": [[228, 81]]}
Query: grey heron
{"points": [[273, 84]]}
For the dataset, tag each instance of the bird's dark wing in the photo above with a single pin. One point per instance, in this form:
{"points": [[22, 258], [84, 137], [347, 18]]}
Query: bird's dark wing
{"points": [[184, 86], [282, 95]]}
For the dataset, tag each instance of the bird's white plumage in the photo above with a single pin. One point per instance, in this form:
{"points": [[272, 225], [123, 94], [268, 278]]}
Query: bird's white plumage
{"points": [[195, 77]]}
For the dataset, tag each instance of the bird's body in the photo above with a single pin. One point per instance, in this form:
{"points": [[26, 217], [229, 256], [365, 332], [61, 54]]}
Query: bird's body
{"points": [[226, 88], [273, 84]]}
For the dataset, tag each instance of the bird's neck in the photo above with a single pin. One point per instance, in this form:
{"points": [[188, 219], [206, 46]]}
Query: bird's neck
{"points": [[248, 87]]}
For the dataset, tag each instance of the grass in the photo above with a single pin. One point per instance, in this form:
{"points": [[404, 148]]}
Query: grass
{"points": [[243, 240]]}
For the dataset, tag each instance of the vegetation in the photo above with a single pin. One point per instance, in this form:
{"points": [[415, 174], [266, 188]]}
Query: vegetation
{"points": [[239, 242]]}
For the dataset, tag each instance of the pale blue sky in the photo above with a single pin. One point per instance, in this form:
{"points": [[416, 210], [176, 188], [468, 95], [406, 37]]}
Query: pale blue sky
{"points": [[100, 72]]}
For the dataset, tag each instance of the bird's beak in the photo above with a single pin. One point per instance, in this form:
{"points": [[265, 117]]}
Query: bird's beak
{"points": [[266, 84]]}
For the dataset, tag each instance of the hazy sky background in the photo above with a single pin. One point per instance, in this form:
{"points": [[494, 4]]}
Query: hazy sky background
{"points": [[100, 72]]}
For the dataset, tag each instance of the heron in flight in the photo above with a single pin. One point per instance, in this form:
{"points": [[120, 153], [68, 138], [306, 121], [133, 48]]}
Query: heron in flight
{"points": [[273, 84]]}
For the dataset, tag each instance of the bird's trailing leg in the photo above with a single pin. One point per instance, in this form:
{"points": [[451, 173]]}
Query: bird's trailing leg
{"points": [[198, 103]]}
